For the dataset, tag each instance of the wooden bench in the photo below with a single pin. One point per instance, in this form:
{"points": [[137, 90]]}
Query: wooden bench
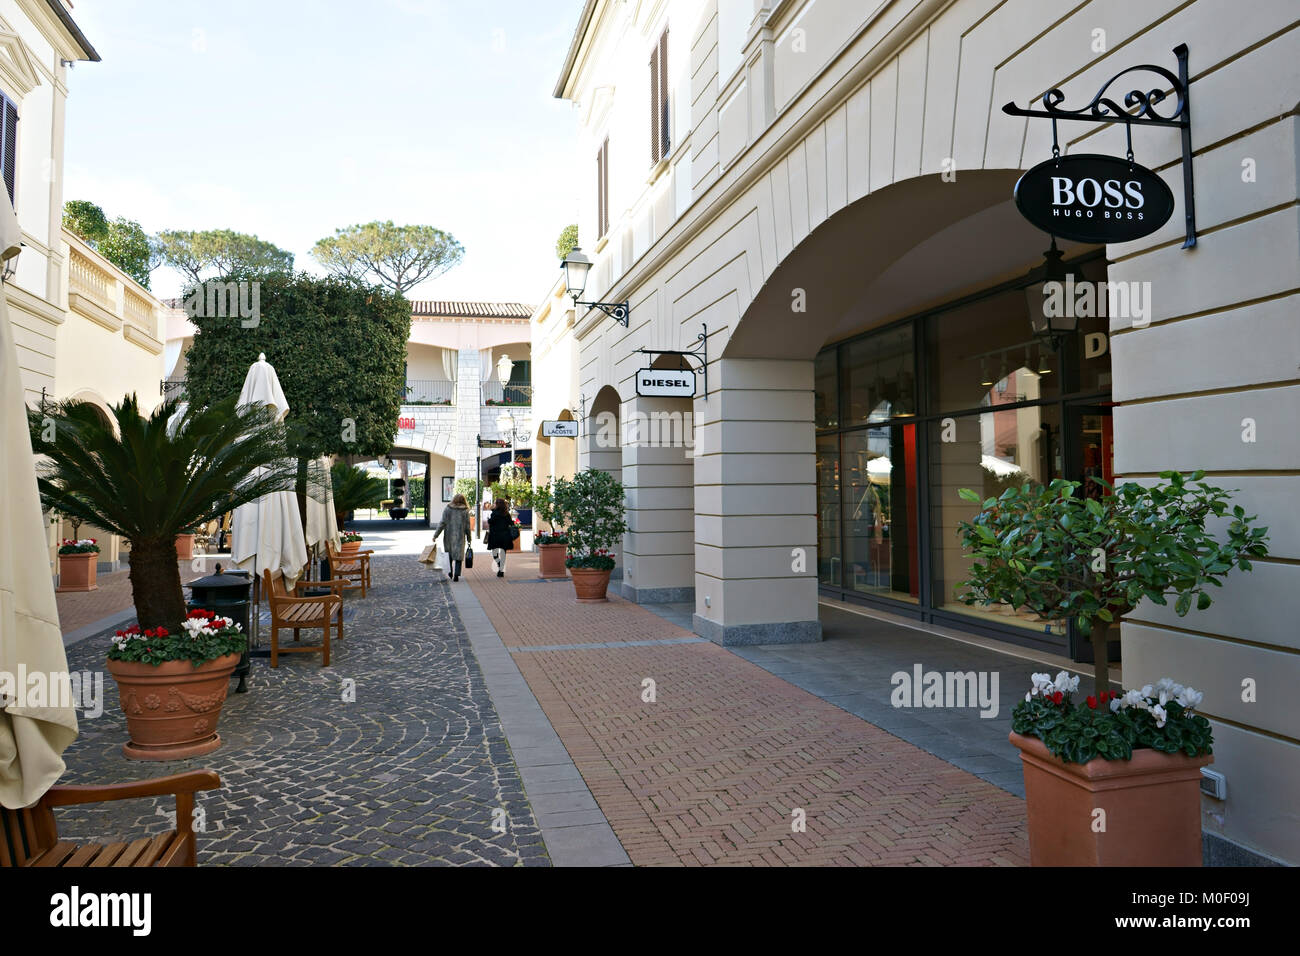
{"points": [[30, 837], [321, 611], [351, 566]]}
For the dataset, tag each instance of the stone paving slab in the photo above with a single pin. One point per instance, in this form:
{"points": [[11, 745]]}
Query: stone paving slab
{"points": [[412, 773], [713, 769]]}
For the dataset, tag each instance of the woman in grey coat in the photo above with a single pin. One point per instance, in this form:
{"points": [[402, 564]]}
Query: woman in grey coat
{"points": [[454, 528]]}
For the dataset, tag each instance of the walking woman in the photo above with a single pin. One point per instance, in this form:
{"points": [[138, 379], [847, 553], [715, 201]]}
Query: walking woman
{"points": [[454, 528], [500, 534]]}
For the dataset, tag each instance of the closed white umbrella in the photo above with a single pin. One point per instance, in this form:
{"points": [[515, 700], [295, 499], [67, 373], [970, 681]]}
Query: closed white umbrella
{"points": [[34, 732], [267, 534], [322, 523]]}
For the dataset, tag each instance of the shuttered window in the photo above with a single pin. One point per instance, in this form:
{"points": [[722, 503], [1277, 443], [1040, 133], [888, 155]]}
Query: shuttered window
{"points": [[660, 133], [602, 189], [9, 143]]}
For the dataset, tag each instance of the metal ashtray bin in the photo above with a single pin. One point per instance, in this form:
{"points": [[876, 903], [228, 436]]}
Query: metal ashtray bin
{"points": [[227, 593]]}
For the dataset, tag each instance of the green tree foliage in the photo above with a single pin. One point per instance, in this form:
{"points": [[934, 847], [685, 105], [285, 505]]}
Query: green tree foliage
{"points": [[592, 507], [147, 482], [86, 219], [469, 488], [221, 254], [121, 241], [396, 257], [567, 242], [1061, 555], [338, 348]]}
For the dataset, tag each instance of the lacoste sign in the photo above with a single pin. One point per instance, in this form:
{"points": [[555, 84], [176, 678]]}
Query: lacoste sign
{"points": [[663, 382], [1093, 198]]}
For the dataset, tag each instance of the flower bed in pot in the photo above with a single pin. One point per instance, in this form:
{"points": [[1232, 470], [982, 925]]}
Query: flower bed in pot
{"points": [[350, 541], [552, 548], [78, 564], [172, 685], [1113, 781]]}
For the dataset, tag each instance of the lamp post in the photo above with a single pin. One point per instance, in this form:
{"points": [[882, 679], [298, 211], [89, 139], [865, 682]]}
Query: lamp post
{"points": [[576, 266]]}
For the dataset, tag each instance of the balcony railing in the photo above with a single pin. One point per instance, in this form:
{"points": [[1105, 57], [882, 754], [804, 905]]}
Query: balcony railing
{"points": [[172, 388], [86, 277], [428, 392], [494, 393]]}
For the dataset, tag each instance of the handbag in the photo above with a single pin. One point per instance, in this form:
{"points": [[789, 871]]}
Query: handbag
{"points": [[514, 532], [469, 557]]}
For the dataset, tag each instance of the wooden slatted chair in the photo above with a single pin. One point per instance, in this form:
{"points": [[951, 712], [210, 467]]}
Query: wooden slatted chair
{"points": [[322, 611], [30, 837], [351, 566]]}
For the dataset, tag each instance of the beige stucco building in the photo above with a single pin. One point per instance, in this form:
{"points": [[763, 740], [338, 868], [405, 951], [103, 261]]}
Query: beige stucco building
{"points": [[827, 186]]}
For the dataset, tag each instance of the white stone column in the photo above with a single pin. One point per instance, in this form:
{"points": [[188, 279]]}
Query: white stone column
{"points": [[467, 413], [658, 470], [755, 504]]}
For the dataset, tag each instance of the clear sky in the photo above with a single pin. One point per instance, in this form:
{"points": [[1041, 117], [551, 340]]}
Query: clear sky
{"points": [[291, 118]]}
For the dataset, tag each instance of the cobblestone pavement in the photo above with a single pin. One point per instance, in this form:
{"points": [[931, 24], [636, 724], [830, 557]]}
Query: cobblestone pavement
{"points": [[411, 773], [712, 771]]}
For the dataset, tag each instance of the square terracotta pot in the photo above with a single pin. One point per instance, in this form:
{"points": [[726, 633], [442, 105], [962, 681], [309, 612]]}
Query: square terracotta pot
{"points": [[1151, 804], [184, 547], [77, 572]]}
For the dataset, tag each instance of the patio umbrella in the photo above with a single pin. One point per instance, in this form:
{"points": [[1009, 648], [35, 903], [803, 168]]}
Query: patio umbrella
{"points": [[268, 532], [33, 732], [322, 523]]}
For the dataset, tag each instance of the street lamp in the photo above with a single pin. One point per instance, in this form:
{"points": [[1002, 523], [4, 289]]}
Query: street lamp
{"points": [[576, 266], [1052, 326]]}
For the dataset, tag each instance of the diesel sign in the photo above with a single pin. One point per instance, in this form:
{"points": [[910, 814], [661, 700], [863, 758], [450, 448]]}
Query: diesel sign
{"points": [[661, 382], [1092, 198]]}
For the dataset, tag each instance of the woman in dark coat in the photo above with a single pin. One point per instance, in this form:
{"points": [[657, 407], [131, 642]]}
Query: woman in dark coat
{"points": [[499, 534], [454, 528]]}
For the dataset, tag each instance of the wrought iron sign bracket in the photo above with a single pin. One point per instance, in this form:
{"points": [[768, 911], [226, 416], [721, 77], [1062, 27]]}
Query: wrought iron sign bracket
{"points": [[700, 353], [618, 311], [1103, 109]]}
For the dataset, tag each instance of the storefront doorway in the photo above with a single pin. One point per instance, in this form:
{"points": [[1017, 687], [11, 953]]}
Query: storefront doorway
{"points": [[961, 396]]}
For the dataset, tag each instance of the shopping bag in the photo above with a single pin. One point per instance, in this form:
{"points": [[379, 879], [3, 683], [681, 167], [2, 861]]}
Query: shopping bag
{"points": [[444, 562], [429, 555], [469, 558]]}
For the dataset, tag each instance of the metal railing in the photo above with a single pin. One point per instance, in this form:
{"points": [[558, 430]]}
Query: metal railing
{"points": [[494, 393], [172, 388], [428, 392]]}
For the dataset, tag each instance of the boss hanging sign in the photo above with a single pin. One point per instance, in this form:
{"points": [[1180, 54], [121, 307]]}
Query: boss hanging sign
{"points": [[1093, 198], [662, 382]]}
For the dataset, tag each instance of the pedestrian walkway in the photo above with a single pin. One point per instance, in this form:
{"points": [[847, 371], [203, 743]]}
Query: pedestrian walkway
{"points": [[393, 755], [698, 756]]}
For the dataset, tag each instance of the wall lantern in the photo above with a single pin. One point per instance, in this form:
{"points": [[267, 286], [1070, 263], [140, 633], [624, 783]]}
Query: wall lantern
{"points": [[1052, 316], [504, 365], [576, 266]]}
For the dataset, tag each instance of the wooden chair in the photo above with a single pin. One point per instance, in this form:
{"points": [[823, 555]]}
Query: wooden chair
{"points": [[352, 566], [30, 837], [297, 613]]}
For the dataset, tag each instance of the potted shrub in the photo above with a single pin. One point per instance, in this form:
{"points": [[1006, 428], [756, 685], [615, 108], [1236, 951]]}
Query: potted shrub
{"points": [[552, 546], [147, 482], [172, 684], [591, 507], [78, 562], [350, 541], [185, 545], [1064, 556], [354, 489]]}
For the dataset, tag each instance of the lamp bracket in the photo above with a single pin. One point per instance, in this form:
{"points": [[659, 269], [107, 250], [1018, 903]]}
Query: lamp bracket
{"points": [[1104, 109], [618, 311], [700, 353]]}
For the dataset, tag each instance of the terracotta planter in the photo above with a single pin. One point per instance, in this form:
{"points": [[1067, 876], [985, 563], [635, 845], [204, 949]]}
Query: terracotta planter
{"points": [[590, 585], [550, 560], [1152, 805], [172, 709], [77, 571], [350, 546], [184, 547]]}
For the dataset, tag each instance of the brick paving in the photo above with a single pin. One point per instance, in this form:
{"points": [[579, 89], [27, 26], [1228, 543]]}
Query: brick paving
{"points": [[712, 771], [410, 773]]}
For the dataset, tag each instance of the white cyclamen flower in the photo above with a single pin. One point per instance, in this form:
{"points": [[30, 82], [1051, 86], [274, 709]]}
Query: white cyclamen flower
{"points": [[1159, 714], [1042, 683], [1147, 690], [1165, 683], [1189, 698]]}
